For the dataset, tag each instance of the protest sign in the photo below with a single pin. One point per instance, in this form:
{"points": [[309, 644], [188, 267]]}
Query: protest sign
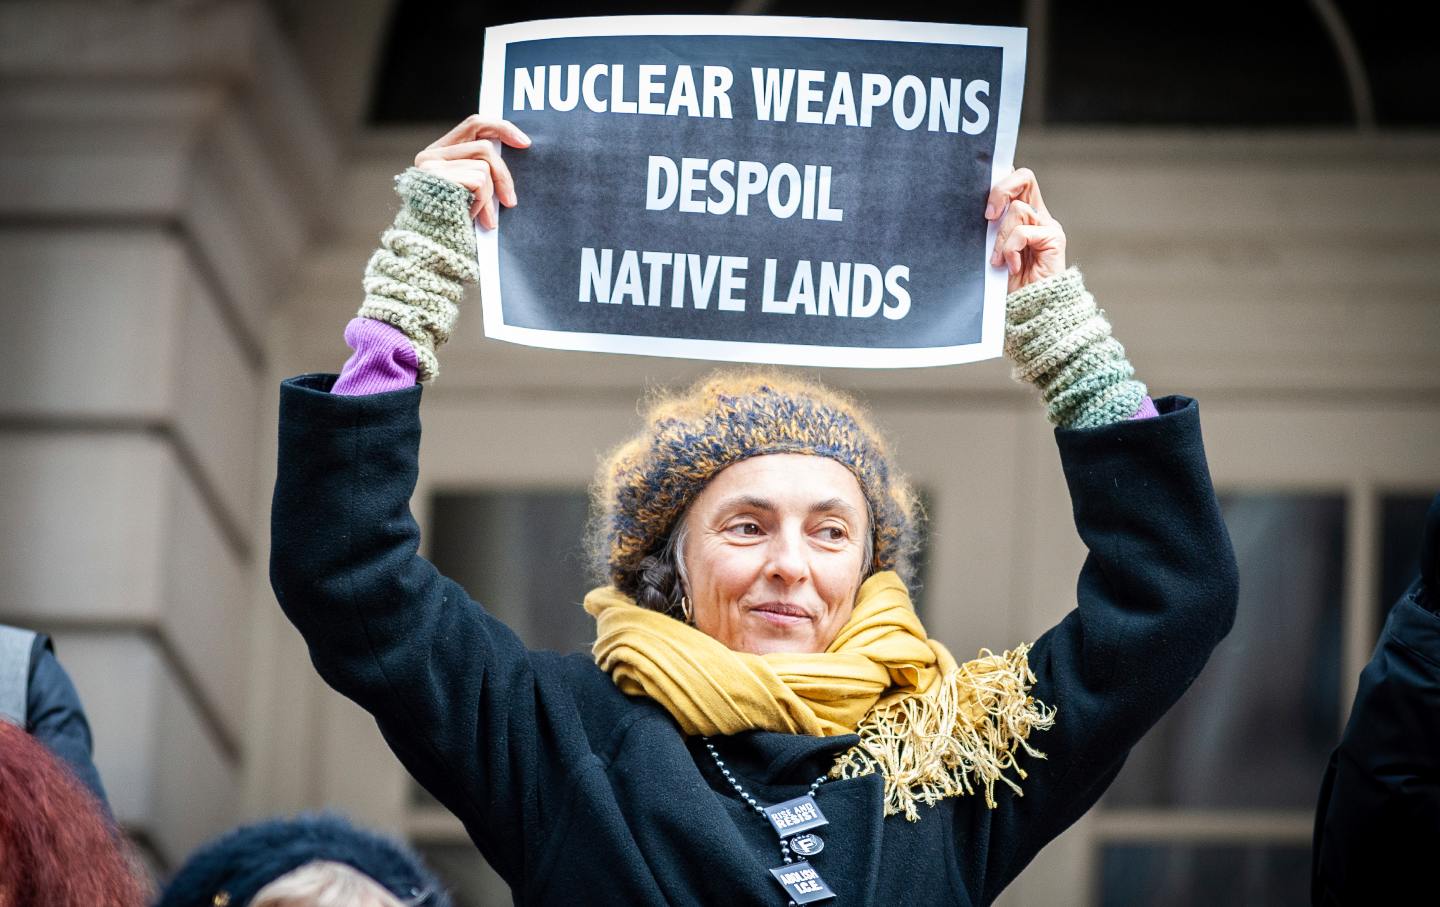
{"points": [[758, 189]]}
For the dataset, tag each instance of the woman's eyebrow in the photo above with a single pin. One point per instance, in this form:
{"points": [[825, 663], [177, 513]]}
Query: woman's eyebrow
{"points": [[747, 502], [752, 502], [835, 505]]}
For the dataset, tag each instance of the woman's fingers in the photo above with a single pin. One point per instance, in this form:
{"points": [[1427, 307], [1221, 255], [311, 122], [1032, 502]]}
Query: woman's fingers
{"points": [[1045, 244], [467, 155], [1018, 241], [1028, 241], [477, 178], [481, 150], [1017, 214], [1019, 185], [474, 127], [480, 210], [474, 175]]}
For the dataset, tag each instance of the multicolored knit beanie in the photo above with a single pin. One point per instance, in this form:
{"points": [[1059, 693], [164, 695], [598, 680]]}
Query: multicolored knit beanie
{"points": [[644, 485]]}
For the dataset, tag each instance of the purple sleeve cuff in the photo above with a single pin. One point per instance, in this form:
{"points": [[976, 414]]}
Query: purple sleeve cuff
{"points": [[383, 359], [1147, 409]]}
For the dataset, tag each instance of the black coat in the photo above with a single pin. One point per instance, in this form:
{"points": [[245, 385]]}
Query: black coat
{"points": [[578, 794], [1377, 826]]}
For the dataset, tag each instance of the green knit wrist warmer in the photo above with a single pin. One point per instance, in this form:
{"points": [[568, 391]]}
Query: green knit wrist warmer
{"points": [[1060, 342], [414, 281]]}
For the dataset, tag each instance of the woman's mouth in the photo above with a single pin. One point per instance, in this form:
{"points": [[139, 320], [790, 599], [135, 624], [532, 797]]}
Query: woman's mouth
{"points": [[781, 614]]}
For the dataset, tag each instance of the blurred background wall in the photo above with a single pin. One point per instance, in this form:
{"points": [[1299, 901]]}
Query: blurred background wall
{"points": [[189, 190]]}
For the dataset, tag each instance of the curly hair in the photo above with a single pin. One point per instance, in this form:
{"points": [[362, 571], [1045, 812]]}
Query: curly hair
{"points": [[56, 847]]}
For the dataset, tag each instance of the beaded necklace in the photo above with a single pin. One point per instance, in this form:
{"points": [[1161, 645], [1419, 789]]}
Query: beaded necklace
{"points": [[792, 820]]}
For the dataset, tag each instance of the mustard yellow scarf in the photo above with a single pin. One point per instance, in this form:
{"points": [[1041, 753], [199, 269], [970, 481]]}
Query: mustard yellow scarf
{"points": [[933, 728]]}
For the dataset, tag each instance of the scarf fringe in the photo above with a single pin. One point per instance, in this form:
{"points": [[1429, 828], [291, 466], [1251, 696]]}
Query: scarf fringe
{"points": [[963, 734]]}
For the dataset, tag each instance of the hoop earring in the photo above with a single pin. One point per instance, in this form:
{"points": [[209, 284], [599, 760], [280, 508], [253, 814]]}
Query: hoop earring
{"points": [[685, 607]]}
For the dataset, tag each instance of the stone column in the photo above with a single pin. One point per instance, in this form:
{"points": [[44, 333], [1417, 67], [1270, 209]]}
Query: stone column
{"points": [[161, 167]]}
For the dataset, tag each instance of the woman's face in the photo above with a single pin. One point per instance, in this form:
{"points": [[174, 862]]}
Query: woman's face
{"points": [[773, 550]]}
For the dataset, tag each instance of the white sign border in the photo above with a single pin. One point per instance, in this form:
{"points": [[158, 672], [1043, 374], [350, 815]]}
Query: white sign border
{"points": [[1011, 40]]}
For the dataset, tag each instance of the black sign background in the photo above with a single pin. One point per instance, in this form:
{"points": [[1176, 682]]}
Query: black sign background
{"points": [[912, 197]]}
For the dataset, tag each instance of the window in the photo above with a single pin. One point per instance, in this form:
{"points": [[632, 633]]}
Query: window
{"points": [[1255, 729], [1400, 62], [1201, 875], [1402, 517], [521, 554], [1240, 757], [429, 70], [1225, 64], [1212, 64]]}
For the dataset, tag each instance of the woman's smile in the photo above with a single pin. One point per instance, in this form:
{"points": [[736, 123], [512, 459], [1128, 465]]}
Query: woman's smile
{"points": [[780, 613]]}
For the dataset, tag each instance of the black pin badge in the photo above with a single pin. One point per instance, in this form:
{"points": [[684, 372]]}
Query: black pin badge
{"points": [[806, 845], [802, 882], [794, 816]]}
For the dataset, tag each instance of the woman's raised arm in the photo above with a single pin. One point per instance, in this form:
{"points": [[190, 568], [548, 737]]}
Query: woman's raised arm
{"points": [[414, 281], [1158, 589], [1057, 338], [455, 692]]}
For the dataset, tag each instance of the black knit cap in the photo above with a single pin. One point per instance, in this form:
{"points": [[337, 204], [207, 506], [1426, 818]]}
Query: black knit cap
{"points": [[231, 869]]}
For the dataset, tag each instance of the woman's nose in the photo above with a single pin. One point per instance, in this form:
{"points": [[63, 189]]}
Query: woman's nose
{"points": [[788, 564]]}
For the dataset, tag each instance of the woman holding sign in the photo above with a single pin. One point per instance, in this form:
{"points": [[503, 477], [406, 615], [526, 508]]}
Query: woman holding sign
{"points": [[764, 720]]}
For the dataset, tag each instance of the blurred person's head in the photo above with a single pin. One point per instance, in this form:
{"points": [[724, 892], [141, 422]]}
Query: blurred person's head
{"points": [[56, 847], [309, 861], [324, 883]]}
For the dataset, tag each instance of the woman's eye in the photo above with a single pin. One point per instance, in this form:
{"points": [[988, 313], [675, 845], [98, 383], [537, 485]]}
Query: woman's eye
{"points": [[833, 533], [747, 528]]}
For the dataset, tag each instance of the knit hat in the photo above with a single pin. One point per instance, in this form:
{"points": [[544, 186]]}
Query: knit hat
{"points": [[231, 869], [645, 484]]}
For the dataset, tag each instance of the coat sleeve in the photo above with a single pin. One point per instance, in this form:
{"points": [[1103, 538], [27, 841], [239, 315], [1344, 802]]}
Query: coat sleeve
{"points": [[452, 689], [57, 719], [1377, 824], [1156, 594]]}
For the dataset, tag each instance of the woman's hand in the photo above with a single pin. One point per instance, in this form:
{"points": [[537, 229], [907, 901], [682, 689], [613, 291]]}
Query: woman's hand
{"points": [[467, 155], [1030, 241]]}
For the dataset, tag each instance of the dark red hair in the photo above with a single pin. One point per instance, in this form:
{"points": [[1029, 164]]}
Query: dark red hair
{"points": [[56, 847]]}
